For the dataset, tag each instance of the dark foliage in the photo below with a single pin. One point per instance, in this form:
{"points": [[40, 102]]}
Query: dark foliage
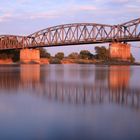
{"points": [[132, 58], [102, 53], [10, 54], [59, 55], [73, 55], [44, 53], [85, 54], [55, 61]]}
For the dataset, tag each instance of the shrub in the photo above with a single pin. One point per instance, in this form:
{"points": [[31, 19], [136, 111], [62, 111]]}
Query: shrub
{"points": [[85, 54], [73, 55], [44, 53], [55, 61], [59, 55]]}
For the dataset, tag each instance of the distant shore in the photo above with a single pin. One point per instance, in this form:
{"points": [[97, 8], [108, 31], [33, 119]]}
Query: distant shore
{"points": [[70, 61]]}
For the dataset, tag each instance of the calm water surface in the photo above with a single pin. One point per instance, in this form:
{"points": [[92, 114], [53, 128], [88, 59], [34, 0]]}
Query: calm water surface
{"points": [[66, 102]]}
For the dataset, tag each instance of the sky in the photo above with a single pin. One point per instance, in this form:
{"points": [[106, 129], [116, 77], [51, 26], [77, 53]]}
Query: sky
{"points": [[23, 17]]}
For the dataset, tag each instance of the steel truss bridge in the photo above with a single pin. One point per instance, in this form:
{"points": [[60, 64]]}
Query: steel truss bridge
{"points": [[74, 34]]}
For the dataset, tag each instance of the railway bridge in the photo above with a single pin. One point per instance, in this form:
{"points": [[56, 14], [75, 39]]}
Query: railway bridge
{"points": [[76, 34]]}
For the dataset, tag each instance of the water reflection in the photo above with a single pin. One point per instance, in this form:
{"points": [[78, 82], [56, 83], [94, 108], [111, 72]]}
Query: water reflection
{"points": [[77, 84], [30, 74], [119, 77], [9, 78]]}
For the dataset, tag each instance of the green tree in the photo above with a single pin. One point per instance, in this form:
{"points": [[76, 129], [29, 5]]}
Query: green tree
{"points": [[102, 53], [55, 61], [73, 55], [59, 55], [44, 53], [10, 54], [3, 56], [132, 58], [85, 54], [15, 55]]}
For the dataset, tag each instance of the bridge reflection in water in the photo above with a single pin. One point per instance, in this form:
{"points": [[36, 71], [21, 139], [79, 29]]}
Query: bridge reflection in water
{"points": [[75, 85]]}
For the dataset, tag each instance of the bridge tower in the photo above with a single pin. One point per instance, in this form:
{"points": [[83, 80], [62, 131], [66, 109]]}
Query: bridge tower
{"points": [[29, 55], [120, 51]]}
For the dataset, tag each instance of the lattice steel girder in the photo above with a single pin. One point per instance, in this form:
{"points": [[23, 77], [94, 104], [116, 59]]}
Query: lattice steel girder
{"points": [[74, 34]]}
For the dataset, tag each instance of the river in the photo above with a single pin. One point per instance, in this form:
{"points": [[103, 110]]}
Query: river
{"points": [[69, 102]]}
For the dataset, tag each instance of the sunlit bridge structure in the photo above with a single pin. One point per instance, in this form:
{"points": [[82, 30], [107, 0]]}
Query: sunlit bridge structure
{"points": [[74, 34], [77, 34]]}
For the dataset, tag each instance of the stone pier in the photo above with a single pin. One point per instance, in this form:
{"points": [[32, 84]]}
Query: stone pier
{"points": [[120, 51], [29, 56]]}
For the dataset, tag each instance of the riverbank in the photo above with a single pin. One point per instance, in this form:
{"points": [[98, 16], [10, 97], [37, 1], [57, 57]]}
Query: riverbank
{"points": [[6, 61], [45, 61], [97, 62]]}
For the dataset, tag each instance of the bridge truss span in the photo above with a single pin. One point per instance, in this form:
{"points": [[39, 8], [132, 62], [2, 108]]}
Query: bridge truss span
{"points": [[70, 34], [75, 34], [11, 42]]}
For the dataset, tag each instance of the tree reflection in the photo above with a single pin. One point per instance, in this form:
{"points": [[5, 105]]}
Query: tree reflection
{"points": [[40, 81], [9, 77]]}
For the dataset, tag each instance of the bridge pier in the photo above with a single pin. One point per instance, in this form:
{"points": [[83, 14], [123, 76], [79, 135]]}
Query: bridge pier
{"points": [[120, 51], [29, 56]]}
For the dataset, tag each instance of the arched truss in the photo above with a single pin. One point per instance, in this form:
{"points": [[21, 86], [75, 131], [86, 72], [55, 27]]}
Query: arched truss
{"points": [[75, 34], [11, 42]]}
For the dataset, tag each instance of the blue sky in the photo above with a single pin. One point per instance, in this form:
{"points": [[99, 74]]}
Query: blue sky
{"points": [[23, 17]]}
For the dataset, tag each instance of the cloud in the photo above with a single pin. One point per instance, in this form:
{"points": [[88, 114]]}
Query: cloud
{"points": [[5, 17], [84, 8], [44, 15], [102, 11]]}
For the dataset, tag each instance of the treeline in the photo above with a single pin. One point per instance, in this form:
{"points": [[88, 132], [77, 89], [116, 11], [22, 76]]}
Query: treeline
{"points": [[10, 54], [101, 54]]}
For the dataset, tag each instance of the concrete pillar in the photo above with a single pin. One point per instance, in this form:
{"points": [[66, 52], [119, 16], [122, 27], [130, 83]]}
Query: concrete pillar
{"points": [[120, 51], [30, 56]]}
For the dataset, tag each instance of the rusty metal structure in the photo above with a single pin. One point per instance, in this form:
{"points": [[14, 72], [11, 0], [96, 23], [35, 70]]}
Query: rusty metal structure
{"points": [[74, 34]]}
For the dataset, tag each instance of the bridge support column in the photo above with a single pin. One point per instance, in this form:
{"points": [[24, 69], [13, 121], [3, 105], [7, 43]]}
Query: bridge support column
{"points": [[29, 56], [120, 51]]}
